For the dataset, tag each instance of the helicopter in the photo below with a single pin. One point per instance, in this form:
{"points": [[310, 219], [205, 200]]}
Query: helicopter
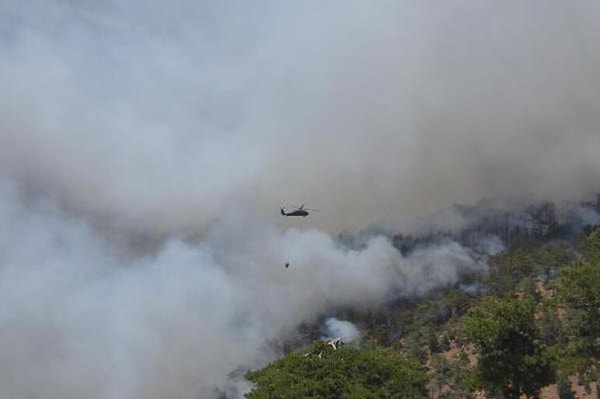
{"points": [[299, 211]]}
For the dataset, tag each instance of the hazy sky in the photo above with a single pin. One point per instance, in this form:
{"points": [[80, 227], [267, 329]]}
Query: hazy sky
{"points": [[182, 126], [164, 116]]}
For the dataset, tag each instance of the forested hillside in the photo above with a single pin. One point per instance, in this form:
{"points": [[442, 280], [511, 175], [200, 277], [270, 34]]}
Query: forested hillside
{"points": [[527, 327]]}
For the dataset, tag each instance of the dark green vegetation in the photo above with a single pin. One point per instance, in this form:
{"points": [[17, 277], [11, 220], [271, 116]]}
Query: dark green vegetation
{"points": [[531, 321], [323, 372], [512, 358]]}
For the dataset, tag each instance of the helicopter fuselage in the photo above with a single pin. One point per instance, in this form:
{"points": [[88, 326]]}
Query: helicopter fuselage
{"points": [[297, 212]]}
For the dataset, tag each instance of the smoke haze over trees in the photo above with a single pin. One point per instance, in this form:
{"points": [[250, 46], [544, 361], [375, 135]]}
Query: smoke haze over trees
{"points": [[147, 147]]}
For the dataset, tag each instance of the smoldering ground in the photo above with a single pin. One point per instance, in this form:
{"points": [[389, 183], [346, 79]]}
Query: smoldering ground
{"points": [[190, 123]]}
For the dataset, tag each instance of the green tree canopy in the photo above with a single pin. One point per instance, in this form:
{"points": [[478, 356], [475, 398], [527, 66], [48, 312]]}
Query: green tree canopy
{"points": [[322, 372], [511, 361], [590, 246], [579, 294]]}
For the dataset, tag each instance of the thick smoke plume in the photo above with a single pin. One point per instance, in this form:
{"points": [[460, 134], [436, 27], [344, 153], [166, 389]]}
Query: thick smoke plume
{"points": [[76, 320], [146, 148], [163, 117]]}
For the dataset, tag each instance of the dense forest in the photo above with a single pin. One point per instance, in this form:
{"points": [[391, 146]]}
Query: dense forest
{"points": [[527, 327]]}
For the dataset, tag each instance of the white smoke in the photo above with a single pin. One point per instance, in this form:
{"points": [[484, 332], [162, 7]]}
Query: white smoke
{"points": [[585, 215], [77, 320], [345, 330], [490, 245]]}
